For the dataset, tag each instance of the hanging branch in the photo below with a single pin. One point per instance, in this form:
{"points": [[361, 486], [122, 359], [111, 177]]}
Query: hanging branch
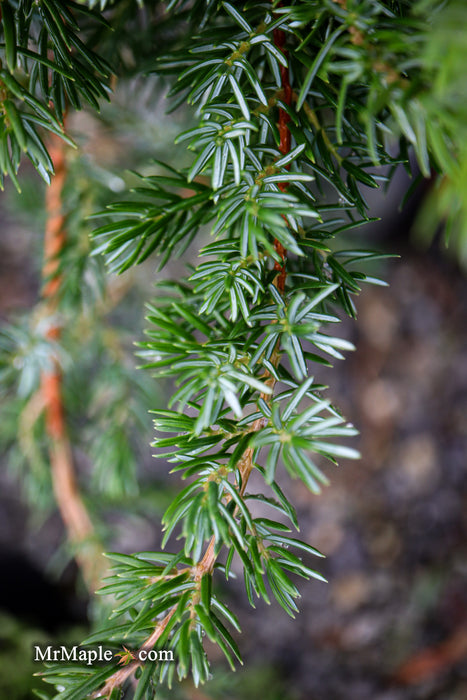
{"points": [[219, 513], [245, 465]]}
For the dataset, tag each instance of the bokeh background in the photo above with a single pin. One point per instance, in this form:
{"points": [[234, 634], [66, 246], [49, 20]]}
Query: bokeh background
{"points": [[391, 624]]}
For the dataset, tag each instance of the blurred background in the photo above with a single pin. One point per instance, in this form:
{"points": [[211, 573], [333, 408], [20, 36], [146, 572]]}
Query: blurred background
{"points": [[391, 624]]}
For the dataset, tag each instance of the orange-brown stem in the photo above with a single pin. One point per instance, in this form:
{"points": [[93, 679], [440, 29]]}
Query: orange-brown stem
{"points": [[55, 231], [284, 147], [71, 506]]}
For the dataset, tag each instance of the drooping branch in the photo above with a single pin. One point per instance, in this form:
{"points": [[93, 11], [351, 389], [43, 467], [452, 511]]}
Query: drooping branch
{"points": [[246, 463]]}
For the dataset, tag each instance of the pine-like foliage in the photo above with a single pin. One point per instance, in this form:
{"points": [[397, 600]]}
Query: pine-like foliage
{"points": [[298, 107]]}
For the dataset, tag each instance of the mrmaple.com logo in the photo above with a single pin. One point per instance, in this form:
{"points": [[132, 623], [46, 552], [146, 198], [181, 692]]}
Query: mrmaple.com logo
{"points": [[97, 654]]}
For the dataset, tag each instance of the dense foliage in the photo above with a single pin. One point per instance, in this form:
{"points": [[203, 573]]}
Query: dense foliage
{"points": [[297, 108]]}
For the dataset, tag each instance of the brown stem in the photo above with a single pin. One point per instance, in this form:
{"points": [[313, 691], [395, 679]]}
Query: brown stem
{"points": [[70, 504], [118, 678], [284, 147], [55, 231]]}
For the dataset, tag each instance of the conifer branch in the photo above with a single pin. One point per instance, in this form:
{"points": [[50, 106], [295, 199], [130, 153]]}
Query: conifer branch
{"points": [[245, 465]]}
